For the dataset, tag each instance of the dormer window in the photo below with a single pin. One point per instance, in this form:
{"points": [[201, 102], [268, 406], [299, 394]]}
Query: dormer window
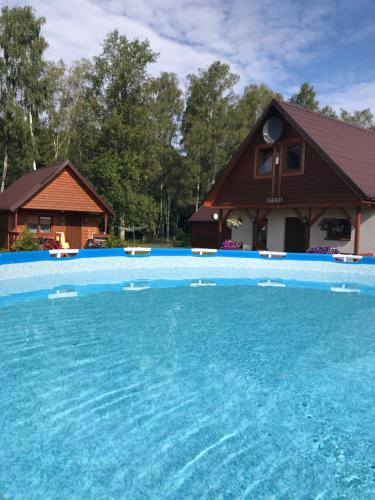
{"points": [[264, 161], [292, 157]]}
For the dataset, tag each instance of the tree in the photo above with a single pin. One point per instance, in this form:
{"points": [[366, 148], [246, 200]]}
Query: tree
{"points": [[207, 136], [328, 111], [21, 82], [123, 164], [67, 89], [306, 97], [362, 118], [251, 105], [167, 106]]}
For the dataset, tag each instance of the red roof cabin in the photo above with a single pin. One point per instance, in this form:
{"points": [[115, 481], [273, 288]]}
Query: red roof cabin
{"points": [[299, 179], [50, 201]]}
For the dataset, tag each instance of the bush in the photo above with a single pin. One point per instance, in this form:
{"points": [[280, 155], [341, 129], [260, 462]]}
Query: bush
{"points": [[231, 245], [26, 242], [113, 241], [181, 235], [49, 243]]}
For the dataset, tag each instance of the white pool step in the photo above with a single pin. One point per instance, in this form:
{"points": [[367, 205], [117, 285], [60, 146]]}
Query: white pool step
{"points": [[347, 257], [275, 284], [203, 251], [271, 255], [202, 283], [59, 252], [61, 294], [137, 250], [135, 288], [344, 289]]}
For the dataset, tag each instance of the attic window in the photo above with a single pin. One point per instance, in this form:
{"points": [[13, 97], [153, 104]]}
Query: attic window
{"points": [[264, 161], [293, 157]]}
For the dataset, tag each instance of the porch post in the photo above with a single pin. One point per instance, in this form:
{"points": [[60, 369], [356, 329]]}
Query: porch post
{"points": [[357, 230], [220, 228], [105, 223], [308, 227], [15, 220], [255, 230]]}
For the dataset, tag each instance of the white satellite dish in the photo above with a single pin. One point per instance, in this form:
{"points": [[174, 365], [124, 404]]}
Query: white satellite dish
{"points": [[272, 130]]}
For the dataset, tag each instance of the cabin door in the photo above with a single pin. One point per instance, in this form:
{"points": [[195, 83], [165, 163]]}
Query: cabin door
{"points": [[74, 230], [295, 235]]}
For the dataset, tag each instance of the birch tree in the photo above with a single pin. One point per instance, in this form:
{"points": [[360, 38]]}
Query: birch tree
{"points": [[207, 131], [22, 87]]}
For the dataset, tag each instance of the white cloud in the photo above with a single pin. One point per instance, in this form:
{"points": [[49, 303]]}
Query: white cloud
{"points": [[352, 97], [258, 38], [265, 41]]}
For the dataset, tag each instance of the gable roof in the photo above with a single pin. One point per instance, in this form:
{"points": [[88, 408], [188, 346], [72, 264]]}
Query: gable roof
{"points": [[27, 186], [348, 149]]}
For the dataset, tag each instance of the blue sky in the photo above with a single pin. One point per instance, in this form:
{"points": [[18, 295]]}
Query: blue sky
{"points": [[280, 43]]}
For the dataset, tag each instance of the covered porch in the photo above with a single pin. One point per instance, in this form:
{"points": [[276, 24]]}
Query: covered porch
{"points": [[69, 229], [296, 229]]}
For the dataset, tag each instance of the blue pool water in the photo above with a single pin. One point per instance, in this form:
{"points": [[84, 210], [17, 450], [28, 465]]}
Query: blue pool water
{"points": [[218, 392]]}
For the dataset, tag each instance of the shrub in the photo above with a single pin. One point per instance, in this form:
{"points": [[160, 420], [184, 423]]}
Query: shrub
{"points": [[327, 249], [26, 242], [113, 241], [49, 243], [181, 235], [231, 245]]}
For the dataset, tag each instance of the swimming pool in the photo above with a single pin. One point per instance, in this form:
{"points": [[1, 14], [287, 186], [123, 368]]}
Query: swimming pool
{"points": [[187, 378]]}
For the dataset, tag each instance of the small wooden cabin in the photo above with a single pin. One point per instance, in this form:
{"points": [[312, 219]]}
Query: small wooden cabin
{"points": [[205, 228], [52, 200], [314, 185]]}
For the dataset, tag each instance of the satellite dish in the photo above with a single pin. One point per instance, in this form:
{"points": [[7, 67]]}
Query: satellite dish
{"points": [[272, 130]]}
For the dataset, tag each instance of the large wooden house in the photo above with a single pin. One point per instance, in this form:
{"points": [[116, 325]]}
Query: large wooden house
{"points": [[50, 201], [312, 184]]}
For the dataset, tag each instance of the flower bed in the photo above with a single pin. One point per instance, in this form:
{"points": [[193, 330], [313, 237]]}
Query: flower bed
{"points": [[231, 245], [323, 249]]}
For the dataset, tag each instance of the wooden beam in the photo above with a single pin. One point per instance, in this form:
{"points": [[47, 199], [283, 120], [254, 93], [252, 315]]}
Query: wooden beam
{"points": [[317, 216], [300, 215], [228, 214], [357, 234], [348, 216], [263, 217], [249, 213], [105, 223]]}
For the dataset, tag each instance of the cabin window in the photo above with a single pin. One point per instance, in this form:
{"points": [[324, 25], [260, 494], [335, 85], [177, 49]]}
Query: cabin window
{"points": [[264, 164], [292, 157], [32, 223], [336, 229], [45, 224], [37, 224]]}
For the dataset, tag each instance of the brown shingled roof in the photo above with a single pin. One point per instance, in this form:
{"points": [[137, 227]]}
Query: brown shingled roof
{"points": [[24, 188], [351, 148], [348, 149]]}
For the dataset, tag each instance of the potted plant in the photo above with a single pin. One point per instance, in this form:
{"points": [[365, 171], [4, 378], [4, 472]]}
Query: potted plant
{"points": [[234, 221]]}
